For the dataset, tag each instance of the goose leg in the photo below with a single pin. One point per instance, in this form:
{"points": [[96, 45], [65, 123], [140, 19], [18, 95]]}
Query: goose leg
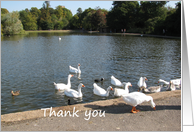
{"points": [[134, 110]]}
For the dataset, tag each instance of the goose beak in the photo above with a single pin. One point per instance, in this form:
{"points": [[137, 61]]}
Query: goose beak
{"points": [[154, 108], [111, 88], [83, 86], [146, 79], [71, 75], [158, 81]]}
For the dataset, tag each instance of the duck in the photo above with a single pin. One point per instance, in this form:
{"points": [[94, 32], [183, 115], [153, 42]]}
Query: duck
{"points": [[136, 98], [100, 91], [118, 92], [171, 87], [75, 70], [99, 80], [62, 86], [69, 101], [116, 82], [73, 93], [59, 38], [151, 89], [174, 81], [16, 93], [142, 82]]}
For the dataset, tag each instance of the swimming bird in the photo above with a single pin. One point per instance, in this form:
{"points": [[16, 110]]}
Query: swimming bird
{"points": [[59, 38], [100, 91], [73, 93], [75, 70], [136, 98], [142, 82], [116, 82], [171, 87], [118, 92], [15, 93], [62, 86], [99, 80]]}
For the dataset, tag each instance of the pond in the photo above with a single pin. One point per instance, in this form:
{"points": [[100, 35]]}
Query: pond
{"points": [[33, 62]]}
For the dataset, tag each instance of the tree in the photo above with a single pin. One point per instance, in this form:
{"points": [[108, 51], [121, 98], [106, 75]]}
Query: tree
{"points": [[172, 23], [99, 19], [11, 23], [87, 21], [4, 11], [150, 10], [54, 20], [123, 14], [45, 18], [59, 12], [35, 12], [79, 12], [28, 20], [67, 14], [74, 22]]}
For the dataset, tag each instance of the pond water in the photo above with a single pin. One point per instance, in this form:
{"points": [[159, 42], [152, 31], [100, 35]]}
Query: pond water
{"points": [[32, 63]]}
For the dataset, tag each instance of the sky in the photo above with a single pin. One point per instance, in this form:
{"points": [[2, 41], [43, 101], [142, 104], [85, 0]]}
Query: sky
{"points": [[71, 5]]}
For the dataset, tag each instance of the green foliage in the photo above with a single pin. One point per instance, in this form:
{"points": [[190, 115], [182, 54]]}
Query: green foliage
{"points": [[94, 19], [143, 17], [1, 30], [123, 14], [11, 23], [28, 20], [35, 12], [74, 22], [4, 11]]}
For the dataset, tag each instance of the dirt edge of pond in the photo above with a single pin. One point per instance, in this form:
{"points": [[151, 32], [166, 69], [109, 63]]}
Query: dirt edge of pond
{"points": [[34, 114]]}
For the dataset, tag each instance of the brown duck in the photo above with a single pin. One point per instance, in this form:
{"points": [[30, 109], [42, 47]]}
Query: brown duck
{"points": [[15, 93]]}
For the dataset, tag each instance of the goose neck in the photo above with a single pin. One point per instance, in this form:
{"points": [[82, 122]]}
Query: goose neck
{"points": [[68, 81]]}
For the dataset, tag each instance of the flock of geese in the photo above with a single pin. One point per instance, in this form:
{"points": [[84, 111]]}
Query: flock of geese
{"points": [[133, 98]]}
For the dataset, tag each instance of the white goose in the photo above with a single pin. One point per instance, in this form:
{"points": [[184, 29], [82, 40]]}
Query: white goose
{"points": [[59, 38], [100, 91], [75, 70], [116, 82], [62, 86], [118, 92], [136, 98], [142, 82], [163, 81], [174, 81], [73, 93], [171, 87]]}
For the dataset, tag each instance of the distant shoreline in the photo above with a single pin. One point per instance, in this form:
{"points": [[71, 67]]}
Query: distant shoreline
{"points": [[97, 32]]}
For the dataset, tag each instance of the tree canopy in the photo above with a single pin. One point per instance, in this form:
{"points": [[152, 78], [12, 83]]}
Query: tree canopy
{"points": [[150, 17]]}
